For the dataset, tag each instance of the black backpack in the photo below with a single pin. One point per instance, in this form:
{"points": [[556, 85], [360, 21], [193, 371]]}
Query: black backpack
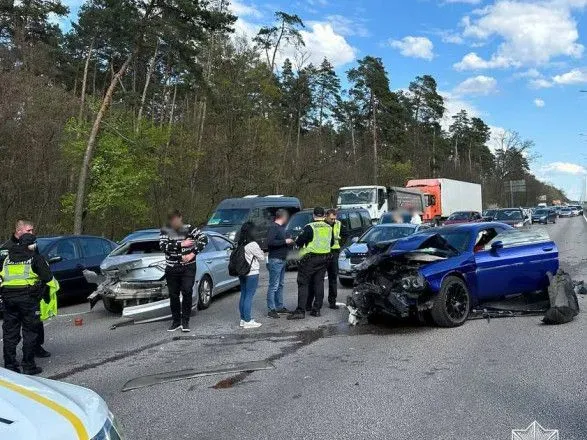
{"points": [[238, 264]]}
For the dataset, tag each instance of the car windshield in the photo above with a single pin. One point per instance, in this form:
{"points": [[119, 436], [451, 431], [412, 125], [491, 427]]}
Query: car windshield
{"points": [[489, 213], [355, 196], [566, 209], [513, 214], [228, 217], [541, 212], [137, 248], [457, 238], [298, 221], [459, 216], [386, 233]]}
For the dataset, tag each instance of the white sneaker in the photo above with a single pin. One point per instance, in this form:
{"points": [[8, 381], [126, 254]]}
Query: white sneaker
{"points": [[252, 324], [242, 323]]}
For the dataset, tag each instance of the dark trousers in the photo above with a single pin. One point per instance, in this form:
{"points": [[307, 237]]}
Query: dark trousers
{"points": [[332, 270], [20, 312], [40, 335], [311, 271], [181, 282]]}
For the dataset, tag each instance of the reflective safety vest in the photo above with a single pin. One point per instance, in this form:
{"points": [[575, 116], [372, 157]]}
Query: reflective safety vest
{"points": [[336, 232], [322, 237], [49, 310], [19, 274]]}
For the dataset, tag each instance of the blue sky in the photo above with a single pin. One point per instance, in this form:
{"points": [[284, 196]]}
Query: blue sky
{"points": [[518, 64]]}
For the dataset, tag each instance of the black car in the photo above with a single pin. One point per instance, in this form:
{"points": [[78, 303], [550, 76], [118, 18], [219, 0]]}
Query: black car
{"points": [[68, 256], [488, 215], [544, 215], [515, 217]]}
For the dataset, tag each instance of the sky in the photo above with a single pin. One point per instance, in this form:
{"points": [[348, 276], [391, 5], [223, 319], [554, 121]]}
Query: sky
{"points": [[518, 64]]}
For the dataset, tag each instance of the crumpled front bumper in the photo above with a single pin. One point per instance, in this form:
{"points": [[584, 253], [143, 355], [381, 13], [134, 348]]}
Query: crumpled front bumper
{"points": [[370, 299]]}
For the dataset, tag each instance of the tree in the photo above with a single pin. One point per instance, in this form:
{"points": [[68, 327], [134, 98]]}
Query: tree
{"points": [[285, 32]]}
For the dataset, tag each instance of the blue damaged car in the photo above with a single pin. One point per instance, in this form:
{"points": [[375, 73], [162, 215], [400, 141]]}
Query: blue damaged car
{"points": [[445, 272]]}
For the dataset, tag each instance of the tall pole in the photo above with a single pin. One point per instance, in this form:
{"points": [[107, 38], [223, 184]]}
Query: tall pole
{"points": [[511, 194]]}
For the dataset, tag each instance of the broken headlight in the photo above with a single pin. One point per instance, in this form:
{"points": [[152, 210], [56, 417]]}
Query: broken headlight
{"points": [[367, 262], [413, 283]]}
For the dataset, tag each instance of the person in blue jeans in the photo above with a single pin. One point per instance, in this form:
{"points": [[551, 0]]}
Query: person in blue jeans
{"points": [[278, 246], [254, 255]]}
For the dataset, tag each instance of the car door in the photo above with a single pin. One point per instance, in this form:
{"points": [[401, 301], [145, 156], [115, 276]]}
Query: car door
{"points": [[355, 224], [224, 249], [67, 265], [511, 263]]}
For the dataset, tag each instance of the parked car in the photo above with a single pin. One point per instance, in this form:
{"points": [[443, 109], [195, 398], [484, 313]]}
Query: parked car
{"points": [[69, 256], [231, 214], [445, 272], [488, 215], [133, 277], [378, 235], [463, 217], [140, 233], [35, 408], [565, 211], [544, 215], [576, 209], [512, 216], [353, 223]]}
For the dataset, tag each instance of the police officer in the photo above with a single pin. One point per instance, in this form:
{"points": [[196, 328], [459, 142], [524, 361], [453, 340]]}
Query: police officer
{"points": [[25, 275], [315, 243], [332, 268], [27, 227]]}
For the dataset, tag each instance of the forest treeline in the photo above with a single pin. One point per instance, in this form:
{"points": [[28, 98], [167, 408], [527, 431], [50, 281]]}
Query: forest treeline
{"points": [[145, 105]]}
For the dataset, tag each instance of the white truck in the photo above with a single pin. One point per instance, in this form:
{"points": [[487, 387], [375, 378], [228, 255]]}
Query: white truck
{"points": [[380, 199]]}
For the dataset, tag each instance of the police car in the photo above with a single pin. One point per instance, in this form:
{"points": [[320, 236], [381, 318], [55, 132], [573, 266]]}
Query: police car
{"points": [[33, 408]]}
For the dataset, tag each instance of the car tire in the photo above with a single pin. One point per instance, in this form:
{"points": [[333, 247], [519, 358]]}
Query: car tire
{"points": [[346, 283], [452, 304], [112, 305], [205, 288]]}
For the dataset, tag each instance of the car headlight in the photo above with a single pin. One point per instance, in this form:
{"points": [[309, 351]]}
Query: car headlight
{"points": [[519, 225], [543, 217], [413, 283], [110, 430]]}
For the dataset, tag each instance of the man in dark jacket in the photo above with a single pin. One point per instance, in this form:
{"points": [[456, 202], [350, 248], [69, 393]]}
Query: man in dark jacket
{"points": [[25, 227], [25, 275], [180, 242], [278, 246]]}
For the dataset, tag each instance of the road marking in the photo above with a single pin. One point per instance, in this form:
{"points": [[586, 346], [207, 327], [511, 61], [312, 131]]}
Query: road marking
{"points": [[76, 423]]}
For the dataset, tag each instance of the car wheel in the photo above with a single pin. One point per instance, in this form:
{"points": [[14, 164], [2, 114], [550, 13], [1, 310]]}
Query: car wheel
{"points": [[112, 305], [452, 305], [204, 292], [346, 283]]}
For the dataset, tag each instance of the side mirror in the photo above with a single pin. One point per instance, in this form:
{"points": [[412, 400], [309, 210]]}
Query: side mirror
{"points": [[497, 245], [355, 240], [55, 259]]}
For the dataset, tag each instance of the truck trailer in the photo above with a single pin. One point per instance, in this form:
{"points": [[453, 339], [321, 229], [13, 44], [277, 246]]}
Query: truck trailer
{"points": [[446, 196]]}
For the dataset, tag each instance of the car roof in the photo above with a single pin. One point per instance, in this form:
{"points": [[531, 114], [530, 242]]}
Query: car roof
{"points": [[59, 237], [155, 236], [250, 202]]}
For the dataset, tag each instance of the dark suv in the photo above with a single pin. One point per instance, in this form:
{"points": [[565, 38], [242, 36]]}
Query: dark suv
{"points": [[354, 222]]}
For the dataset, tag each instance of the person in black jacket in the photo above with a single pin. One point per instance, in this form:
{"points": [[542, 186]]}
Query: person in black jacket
{"points": [[25, 275], [181, 243], [25, 227], [278, 246]]}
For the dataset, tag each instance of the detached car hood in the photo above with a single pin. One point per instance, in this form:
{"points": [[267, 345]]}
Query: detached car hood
{"points": [[430, 244], [26, 407]]}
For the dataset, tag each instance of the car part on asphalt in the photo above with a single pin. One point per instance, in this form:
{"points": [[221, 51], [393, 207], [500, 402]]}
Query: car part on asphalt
{"points": [[173, 376]]}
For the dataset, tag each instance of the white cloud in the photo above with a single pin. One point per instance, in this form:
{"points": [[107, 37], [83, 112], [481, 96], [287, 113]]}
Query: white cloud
{"points": [[472, 61], [476, 86], [540, 83], [414, 47], [323, 42], [563, 168], [454, 104], [539, 103], [347, 27], [532, 33], [575, 76], [241, 9]]}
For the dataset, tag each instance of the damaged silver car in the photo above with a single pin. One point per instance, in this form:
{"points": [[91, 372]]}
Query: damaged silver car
{"points": [[132, 278]]}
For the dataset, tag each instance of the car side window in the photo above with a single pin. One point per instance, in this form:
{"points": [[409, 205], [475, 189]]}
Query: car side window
{"points": [[221, 244], [344, 221], [66, 249], [354, 220], [366, 219], [93, 247], [483, 238]]}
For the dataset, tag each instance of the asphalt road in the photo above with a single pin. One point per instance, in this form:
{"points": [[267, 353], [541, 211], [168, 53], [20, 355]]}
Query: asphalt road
{"points": [[329, 381]]}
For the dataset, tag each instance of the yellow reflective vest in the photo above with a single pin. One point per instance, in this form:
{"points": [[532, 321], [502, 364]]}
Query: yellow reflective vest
{"points": [[321, 239], [336, 232]]}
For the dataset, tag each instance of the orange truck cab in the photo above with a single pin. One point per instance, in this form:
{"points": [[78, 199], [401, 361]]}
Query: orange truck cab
{"points": [[446, 196]]}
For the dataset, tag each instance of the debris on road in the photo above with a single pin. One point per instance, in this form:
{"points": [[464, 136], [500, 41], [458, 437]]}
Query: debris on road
{"points": [[564, 305]]}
